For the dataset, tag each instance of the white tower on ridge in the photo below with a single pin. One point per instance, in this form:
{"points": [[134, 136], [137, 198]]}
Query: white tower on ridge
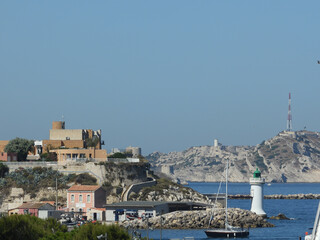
{"points": [[257, 193]]}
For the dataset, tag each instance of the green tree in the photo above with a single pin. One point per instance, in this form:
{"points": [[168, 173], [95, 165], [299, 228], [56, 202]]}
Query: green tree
{"points": [[92, 142], [49, 156], [20, 146], [28, 227], [3, 170], [118, 155], [91, 231]]}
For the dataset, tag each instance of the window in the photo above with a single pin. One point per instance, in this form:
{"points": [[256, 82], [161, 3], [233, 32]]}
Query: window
{"points": [[80, 198], [88, 198], [72, 198]]}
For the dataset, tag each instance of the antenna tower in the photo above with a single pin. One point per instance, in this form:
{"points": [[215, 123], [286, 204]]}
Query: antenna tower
{"points": [[289, 121]]}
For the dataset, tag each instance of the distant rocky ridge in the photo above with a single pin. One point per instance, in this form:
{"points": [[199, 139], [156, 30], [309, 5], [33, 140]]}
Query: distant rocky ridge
{"points": [[288, 157]]}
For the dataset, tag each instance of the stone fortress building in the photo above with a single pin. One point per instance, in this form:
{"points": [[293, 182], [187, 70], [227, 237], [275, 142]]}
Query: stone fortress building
{"points": [[73, 144], [68, 144]]}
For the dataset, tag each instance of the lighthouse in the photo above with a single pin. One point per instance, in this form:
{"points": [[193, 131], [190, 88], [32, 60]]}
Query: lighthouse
{"points": [[257, 193]]}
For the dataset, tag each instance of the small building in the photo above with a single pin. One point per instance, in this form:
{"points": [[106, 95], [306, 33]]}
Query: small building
{"points": [[8, 157], [83, 198], [133, 151], [45, 213], [138, 209], [13, 211], [31, 208], [64, 155], [96, 214], [3, 144]]}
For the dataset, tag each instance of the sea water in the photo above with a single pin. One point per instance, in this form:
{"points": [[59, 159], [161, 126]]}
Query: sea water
{"points": [[301, 212]]}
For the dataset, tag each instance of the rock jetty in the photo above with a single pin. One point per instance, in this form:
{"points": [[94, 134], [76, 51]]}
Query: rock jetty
{"points": [[279, 196], [293, 196], [200, 219]]}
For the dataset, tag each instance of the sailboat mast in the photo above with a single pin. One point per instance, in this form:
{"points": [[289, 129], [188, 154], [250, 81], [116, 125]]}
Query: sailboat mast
{"points": [[226, 222]]}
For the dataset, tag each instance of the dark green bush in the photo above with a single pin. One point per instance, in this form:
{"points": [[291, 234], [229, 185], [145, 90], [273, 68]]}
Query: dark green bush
{"points": [[3, 170], [28, 227]]}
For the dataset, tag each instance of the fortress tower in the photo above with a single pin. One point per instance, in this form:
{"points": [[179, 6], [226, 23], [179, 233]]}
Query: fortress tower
{"points": [[257, 193]]}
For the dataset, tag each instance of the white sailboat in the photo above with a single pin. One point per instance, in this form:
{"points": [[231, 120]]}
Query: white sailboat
{"points": [[228, 231], [316, 228]]}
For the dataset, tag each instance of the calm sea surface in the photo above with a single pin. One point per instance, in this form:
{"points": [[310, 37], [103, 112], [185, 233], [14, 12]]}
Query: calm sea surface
{"points": [[302, 212]]}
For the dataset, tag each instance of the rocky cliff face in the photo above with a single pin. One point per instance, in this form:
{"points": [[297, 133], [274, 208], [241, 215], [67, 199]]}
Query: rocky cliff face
{"points": [[288, 157], [165, 190]]}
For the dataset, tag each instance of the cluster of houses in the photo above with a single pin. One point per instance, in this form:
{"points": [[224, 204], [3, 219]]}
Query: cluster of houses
{"points": [[68, 144], [89, 202], [86, 201]]}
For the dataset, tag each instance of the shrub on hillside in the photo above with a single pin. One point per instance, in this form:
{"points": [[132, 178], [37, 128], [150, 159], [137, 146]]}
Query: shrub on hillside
{"points": [[83, 179], [3, 170], [118, 155], [28, 227], [32, 179]]}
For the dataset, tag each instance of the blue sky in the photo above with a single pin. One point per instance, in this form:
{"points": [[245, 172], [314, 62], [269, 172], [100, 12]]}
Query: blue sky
{"points": [[162, 75]]}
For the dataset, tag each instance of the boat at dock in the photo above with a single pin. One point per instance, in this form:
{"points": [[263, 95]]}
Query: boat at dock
{"points": [[229, 231]]}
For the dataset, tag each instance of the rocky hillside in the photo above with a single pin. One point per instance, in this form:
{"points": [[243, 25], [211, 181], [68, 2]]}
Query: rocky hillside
{"points": [[165, 190], [288, 157]]}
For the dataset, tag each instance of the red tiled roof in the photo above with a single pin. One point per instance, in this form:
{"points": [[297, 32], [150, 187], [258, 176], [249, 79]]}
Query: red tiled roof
{"points": [[100, 209], [53, 203], [31, 205], [84, 188]]}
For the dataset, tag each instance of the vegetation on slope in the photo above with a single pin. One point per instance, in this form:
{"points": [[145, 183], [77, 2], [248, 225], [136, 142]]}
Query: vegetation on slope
{"points": [[32, 179], [166, 190], [3, 170], [32, 228]]}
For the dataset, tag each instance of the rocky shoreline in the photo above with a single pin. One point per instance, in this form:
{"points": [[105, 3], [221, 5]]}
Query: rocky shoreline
{"points": [[279, 196], [200, 220]]}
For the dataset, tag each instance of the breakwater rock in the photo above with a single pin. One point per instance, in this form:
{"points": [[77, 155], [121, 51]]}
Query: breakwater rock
{"points": [[200, 219], [280, 216], [279, 196], [293, 196]]}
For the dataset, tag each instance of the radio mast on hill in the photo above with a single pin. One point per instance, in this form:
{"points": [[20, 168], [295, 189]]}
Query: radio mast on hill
{"points": [[289, 121]]}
